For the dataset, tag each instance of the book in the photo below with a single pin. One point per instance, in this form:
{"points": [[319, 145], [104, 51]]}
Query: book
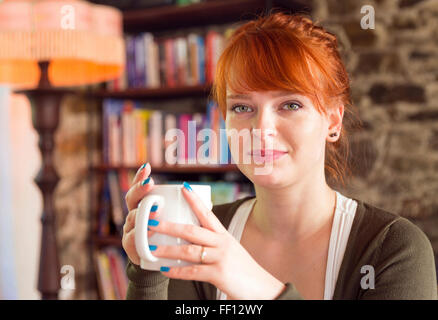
{"points": [[201, 60], [128, 133], [183, 121], [103, 227], [125, 179], [116, 201], [104, 276], [170, 139], [181, 61], [192, 60], [156, 138], [141, 148], [162, 62], [114, 133], [140, 61], [130, 60], [170, 63], [118, 277]]}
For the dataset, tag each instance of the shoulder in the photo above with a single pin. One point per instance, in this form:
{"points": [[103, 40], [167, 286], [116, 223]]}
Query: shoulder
{"points": [[398, 251], [387, 228], [225, 212]]}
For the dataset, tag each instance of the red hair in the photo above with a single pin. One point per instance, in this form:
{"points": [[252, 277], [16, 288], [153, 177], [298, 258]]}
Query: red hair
{"points": [[288, 52]]}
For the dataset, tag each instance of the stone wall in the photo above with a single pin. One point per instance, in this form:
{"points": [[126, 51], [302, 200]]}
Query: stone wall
{"points": [[394, 80]]}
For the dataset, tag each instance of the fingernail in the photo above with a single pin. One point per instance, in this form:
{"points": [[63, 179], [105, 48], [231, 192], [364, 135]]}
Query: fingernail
{"points": [[146, 181], [152, 247], [143, 166], [153, 222], [154, 208], [165, 269], [149, 229], [187, 186]]}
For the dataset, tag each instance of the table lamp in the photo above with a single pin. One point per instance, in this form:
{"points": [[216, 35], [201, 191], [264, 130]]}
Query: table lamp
{"points": [[47, 47]]}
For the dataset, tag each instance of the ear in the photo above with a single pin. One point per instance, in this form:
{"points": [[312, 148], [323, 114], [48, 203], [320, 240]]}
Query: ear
{"points": [[335, 116]]}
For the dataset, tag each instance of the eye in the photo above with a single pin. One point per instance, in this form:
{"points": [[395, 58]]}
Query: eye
{"points": [[293, 106], [238, 108]]}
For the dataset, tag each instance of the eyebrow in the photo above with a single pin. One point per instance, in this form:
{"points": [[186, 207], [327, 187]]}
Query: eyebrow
{"points": [[245, 96]]}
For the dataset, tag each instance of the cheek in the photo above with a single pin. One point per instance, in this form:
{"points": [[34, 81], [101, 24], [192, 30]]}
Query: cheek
{"points": [[238, 137], [306, 138]]}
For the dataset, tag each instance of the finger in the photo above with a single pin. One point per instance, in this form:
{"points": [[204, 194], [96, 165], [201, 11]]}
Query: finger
{"points": [[188, 232], [128, 243], [130, 219], [138, 191], [153, 215], [199, 272], [187, 252], [206, 217], [142, 173]]}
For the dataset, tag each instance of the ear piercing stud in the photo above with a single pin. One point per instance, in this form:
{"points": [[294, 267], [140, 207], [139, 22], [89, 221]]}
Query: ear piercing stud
{"points": [[334, 134]]}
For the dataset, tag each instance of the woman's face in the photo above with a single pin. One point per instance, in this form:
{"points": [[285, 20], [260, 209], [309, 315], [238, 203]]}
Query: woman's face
{"points": [[286, 139]]}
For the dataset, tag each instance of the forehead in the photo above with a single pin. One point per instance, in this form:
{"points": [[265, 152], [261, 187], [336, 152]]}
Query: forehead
{"points": [[273, 94]]}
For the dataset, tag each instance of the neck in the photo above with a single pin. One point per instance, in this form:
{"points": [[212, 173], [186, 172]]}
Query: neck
{"points": [[295, 213]]}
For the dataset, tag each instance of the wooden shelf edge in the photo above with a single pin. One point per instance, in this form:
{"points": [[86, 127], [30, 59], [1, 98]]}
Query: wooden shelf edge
{"points": [[208, 12], [107, 240]]}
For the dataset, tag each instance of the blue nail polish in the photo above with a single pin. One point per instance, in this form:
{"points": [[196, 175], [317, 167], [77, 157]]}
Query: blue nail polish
{"points": [[165, 269], [154, 208], [153, 222], [149, 229], [187, 186], [146, 181], [152, 247], [143, 166]]}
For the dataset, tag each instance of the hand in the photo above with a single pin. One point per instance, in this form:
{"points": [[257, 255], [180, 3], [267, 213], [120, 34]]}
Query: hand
{"points": [[227, 265], [139, 188]]}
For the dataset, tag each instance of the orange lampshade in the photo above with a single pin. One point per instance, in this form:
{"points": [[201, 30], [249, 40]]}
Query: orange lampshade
{"points": [[82, 41]]}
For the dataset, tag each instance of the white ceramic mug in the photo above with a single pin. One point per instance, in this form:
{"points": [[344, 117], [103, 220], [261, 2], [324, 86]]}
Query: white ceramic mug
{"points": [[173, 207]]}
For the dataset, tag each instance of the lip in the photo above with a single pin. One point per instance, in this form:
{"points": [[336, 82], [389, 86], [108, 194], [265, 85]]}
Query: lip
{"points": [[264, 155]]}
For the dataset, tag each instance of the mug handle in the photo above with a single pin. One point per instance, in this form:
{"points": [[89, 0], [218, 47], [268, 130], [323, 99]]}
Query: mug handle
{"points": [[141, 225]]}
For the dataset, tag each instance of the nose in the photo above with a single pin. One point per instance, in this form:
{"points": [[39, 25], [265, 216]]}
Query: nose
{"points": [[264, 124]]}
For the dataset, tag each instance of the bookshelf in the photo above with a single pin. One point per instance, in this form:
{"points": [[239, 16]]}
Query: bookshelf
{"points": [[105, 238], [154, 93]]}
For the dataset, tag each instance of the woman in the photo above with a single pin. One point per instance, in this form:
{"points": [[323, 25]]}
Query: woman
{"points": [[281, 78]]}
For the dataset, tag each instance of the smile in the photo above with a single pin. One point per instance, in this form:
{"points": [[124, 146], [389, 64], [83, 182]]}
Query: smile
{"points": [[267, 155]]}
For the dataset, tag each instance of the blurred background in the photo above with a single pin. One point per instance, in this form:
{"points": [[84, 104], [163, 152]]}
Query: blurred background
{"points": [[99, 129]]}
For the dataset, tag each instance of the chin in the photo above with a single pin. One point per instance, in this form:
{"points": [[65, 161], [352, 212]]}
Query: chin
{"points": [[265, 175]]}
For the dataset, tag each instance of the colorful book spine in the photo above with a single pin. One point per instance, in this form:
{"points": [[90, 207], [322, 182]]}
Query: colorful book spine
{"points": [[105, 130], [115, 133], [192, 76], [104, 276], [130, 60], [162, 62], [170, 64], [140, 61], [183, 121], [156, 138], [118, 280], [116, 201], [181, 60], [104, 210], [201, 60], [170, 143], [128, 138]]}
